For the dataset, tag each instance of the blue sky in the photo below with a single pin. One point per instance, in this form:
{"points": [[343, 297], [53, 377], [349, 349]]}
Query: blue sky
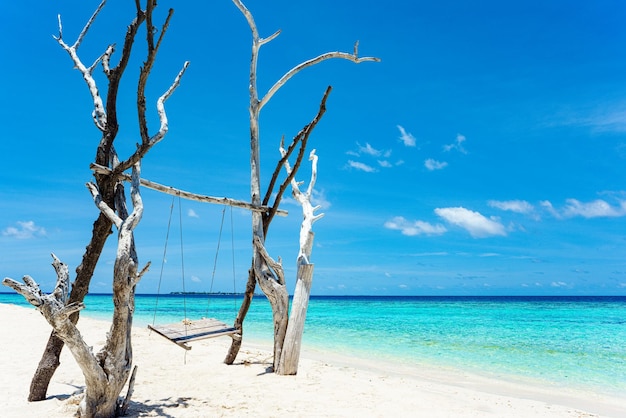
{"points": [[485, 154]]}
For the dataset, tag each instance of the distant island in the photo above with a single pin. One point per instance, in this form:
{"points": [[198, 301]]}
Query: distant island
{"points": [[212, 293]]}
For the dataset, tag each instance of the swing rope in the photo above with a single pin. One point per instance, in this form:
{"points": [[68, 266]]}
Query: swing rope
{"points": [[232, 250], [182, 259], [167, 236], [164, 260], [182, 334], [217, 251]]}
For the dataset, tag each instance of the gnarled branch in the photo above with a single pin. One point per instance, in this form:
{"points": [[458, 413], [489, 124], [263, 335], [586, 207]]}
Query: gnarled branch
{"points": [[150, 142], [308, 210], [302, 138], [99, 114], [275, 267], [323, 57], [147, 68]]}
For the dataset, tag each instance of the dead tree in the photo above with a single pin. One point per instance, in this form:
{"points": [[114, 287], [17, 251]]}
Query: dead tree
{"points": [[106, 121], [290, 353], [288, 363], [107, 371], [272, 285]]}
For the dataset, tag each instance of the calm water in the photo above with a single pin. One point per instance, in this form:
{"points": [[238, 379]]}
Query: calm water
{"points": [[578, 342]]}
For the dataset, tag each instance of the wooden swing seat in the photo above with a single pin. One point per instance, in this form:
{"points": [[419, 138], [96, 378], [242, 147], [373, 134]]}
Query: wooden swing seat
{"points": [[181, 333]]}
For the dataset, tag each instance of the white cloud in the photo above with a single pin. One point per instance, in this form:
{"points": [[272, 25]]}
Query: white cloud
{"points": [[550, 208], [406, 137], [384, 163], [596, 209], [361, 166], [431, 254], [433, 165], [195, 279], [368, 149], [519, 206], [614, 122], [192, 213], [473, 222], [399, 223], [558, 284], [24, 230], [457, 144], [608, 118], [318, 198]]}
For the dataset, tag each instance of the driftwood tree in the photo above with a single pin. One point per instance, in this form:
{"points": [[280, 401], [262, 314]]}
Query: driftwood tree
{"points": [[105, 119], [264, 270], [105, 372], [290, 354]]}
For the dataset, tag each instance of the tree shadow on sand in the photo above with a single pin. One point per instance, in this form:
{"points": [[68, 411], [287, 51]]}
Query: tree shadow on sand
{"points": [[157, 408]]}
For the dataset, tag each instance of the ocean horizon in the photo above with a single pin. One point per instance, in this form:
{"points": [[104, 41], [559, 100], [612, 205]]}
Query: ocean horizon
{"points": [[578, 342]]}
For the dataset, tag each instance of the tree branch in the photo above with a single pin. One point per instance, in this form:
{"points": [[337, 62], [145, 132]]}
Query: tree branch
{"points": [[275, 266], [147, 68], [150, 142], [87, 26], [98, 114], [306, 230], [302, 138], [99, 169], [329, 55], [161, 106], [101, 204]]}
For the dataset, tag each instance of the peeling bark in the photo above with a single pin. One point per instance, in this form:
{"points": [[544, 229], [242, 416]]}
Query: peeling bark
{"points": [[105, 118], [260, 272], [107, 371], [288, 363]]}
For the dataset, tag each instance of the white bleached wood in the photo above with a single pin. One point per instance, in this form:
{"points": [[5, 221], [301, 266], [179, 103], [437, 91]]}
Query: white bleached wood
{"points": [[161, 106], [323, 57], [257, 42], [189, 195], [275, 291], [308, 210], [99, 113], [101, 204], [54, 309], [288, 364], [107, 371]]}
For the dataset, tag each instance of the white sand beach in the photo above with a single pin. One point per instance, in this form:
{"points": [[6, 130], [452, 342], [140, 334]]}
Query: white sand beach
{"points": [[197, 384]]}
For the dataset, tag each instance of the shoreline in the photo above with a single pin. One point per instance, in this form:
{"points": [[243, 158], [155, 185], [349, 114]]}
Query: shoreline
{"points": [[176, 383]]}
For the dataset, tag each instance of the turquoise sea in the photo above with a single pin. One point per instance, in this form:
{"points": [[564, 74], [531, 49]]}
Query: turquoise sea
{"points": [[573, 342]]}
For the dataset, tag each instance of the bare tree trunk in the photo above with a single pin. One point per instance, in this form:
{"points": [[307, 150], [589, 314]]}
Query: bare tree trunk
{"points": [[273, 286], [288, 362], [290, 357], [106, 372], [50, 358], [106, 184], [105, 119], [241, 315], [271, 279]]}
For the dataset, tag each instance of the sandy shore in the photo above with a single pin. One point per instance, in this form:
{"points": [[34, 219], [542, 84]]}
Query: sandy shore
{"points": [[173, 383]]}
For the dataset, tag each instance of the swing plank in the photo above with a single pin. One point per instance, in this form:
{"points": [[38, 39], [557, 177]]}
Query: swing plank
{"points": [[186, 331]]}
